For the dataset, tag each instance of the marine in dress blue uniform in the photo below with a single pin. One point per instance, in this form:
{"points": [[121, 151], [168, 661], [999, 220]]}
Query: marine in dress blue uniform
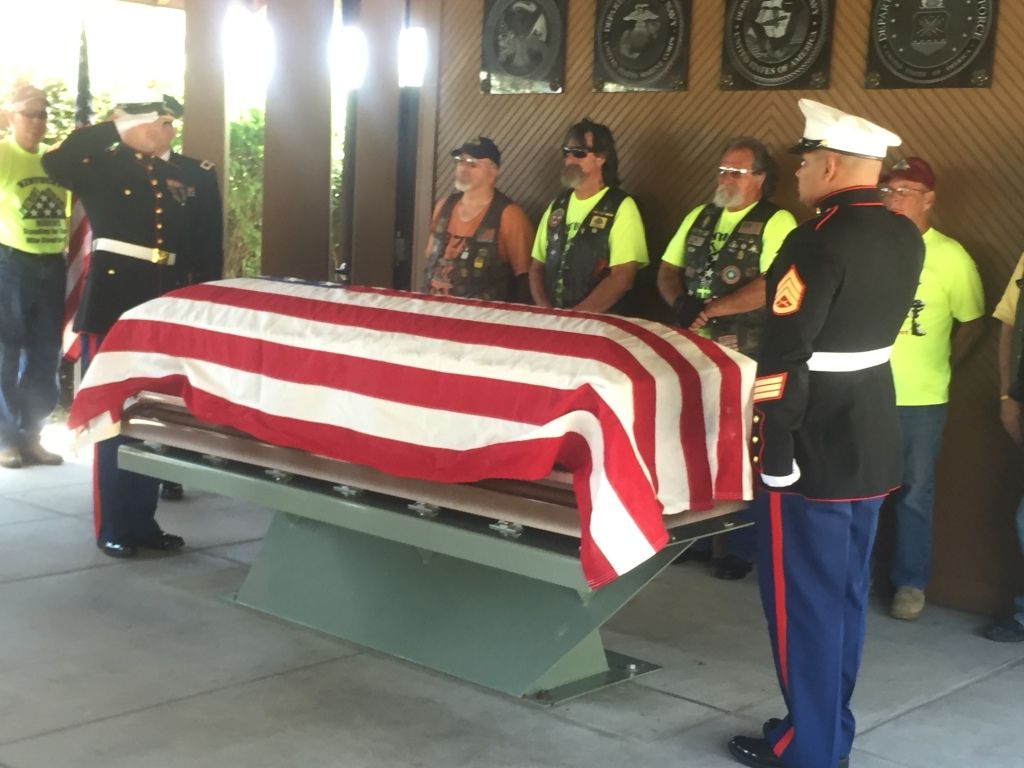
{"points": [[156, 222], [826, 437]]}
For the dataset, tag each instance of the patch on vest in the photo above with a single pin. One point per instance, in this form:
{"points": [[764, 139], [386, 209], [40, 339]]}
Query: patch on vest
{"points": [[556, 218], [789, 294], [731, 275], [598, 222], [751, 227]]}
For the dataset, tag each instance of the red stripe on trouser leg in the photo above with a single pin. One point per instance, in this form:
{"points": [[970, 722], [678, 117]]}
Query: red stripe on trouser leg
{"points": [[779, 580], [781, 744]]}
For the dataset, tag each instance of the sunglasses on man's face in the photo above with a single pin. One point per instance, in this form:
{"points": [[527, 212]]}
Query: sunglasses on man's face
{"points": [[41, 115], [733, 173], [577, 152]]}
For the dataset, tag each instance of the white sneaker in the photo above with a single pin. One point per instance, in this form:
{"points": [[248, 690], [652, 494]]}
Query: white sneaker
{"points": [[907, 604]]}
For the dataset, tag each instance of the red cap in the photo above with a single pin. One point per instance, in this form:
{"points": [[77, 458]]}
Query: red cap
{"points": [[911, 169]]}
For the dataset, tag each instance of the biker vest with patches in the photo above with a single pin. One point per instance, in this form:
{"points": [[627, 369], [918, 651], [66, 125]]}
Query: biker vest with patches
{"points": [[574, 268], [709, 275], [478, 272]]}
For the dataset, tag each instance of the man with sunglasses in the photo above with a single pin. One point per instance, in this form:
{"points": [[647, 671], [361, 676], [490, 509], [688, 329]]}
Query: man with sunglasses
{"points": [[34, 214], [590, 241], [712, 275], [479, 247], [943, 325], [157, 225]]}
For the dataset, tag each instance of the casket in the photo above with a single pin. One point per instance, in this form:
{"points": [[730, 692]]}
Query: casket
{"points": [[474, 486]]}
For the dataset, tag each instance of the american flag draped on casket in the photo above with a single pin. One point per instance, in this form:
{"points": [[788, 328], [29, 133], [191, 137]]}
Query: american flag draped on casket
{"points": [[649, 420]]}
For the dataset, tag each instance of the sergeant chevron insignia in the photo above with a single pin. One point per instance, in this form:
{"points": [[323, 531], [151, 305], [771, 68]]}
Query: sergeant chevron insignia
{"points": [[789, 294]]}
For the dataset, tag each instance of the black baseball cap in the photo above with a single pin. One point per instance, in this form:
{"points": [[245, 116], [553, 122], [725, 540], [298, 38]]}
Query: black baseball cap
{"points": [[482, 148]]}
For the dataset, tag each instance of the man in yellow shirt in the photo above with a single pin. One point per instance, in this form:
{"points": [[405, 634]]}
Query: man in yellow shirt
{"points": [[712, 275], [590, 241], [1010, 313], [33, 235], [928, 345]]}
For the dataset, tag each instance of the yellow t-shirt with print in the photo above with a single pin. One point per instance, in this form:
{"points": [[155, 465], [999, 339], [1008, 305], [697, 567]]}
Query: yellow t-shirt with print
{"points": [[775, 231], [34, 210], [1006, 310], [626, 240], [949, 289]]}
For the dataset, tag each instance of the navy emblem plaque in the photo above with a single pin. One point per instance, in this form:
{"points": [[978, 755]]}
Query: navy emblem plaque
{"points": [[777, 44], [931, 44], [641, 45], [523, 46]]}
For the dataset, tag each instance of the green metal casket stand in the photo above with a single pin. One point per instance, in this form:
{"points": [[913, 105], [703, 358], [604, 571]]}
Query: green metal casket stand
{"points": [[500, 604]]}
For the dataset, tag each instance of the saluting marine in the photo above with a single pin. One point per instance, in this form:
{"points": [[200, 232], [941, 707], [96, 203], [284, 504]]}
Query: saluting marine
{"points": [[826, 438], [157, 225]]}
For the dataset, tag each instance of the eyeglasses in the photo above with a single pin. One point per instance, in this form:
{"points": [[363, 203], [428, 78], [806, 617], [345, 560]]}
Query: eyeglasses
{"points": [[900, 192], [735, 173], [577, 152], [34, 115], [465, 160]]}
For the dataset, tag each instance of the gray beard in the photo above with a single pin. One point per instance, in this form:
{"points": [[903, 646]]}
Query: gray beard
{"points": [[463, 186], [723, 199], [571, 176]]}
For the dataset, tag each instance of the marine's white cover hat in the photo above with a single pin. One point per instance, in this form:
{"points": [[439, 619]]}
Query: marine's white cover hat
{"points": [[830, 128]]}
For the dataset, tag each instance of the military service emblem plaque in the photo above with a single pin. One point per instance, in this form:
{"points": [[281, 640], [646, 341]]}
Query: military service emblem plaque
{"points": [[777, 44], [641, 45], [523, 46], [931, 44]]}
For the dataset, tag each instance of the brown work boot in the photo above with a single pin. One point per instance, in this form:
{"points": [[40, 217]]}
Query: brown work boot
{"points": [[907, 604], [34, 453], [10, 458]]}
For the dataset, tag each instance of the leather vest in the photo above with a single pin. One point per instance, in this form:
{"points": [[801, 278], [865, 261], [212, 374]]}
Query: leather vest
{"points": [[478, 272], [709, 275], [574, 268]]}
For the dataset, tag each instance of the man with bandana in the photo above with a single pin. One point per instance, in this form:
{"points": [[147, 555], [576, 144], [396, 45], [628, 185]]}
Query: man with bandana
{"points": [[590, 241], [157, 225]]}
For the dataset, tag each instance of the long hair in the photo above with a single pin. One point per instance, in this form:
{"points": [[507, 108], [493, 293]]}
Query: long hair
{"points": [[603, 144], [763, 161]]}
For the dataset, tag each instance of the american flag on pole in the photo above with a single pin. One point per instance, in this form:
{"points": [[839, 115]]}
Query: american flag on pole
{"points": [[650, 420], [80, 244]]}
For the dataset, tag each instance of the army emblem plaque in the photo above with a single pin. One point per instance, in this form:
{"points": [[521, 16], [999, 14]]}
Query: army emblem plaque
{"points": [[523, 46], [931, 44], [641, 45], [777, 44]]}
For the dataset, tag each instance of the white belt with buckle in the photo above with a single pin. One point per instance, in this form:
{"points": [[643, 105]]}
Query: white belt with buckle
{"points": [[121, 248], [835, 362]]}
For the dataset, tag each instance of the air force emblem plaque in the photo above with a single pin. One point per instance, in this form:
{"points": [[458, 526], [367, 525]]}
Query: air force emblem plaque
{"points": [[931, 44]]}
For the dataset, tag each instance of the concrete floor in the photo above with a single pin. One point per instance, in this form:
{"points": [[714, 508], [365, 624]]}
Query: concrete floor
{"points": [[142, 663]]}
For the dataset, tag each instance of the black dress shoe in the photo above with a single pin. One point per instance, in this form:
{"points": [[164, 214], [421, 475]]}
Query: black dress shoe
{"points": [[162, 541], [754, 752], [171, 491], [732, 568], [758, 752], [116, 549]]}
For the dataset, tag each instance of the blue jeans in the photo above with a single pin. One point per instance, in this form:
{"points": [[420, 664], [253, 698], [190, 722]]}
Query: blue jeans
{"points": [[31, 316], [1018, 604], [922, 427]]}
